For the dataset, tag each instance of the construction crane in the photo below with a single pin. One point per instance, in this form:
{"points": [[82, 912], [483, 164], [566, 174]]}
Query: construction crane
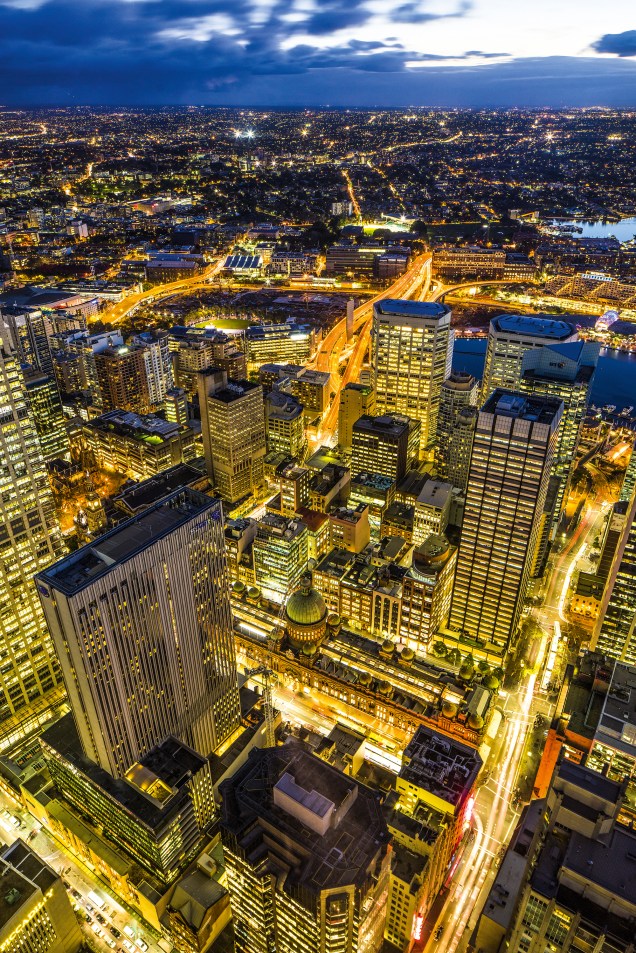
{"points": [[269, 677], [268, 703]]}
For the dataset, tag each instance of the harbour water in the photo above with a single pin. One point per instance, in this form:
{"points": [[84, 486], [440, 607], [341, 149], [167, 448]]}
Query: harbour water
{"points": [[614, 381], [624, 230]]}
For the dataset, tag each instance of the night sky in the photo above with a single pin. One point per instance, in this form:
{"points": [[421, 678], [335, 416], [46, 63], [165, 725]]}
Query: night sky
{"points": [[318, 52]]}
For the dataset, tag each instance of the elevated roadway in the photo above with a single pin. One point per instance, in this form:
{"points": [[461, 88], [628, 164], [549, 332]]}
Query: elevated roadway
{"points": [[115, 313], [443, 289], [331, 349]]}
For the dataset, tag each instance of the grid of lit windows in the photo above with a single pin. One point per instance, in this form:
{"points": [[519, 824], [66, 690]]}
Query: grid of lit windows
{"points": [[509, 473], [30, 540]]}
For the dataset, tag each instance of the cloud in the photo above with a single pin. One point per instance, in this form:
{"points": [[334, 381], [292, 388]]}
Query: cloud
{"points": [[146, 51], [154, 52], [620, 44], [415, 12]]}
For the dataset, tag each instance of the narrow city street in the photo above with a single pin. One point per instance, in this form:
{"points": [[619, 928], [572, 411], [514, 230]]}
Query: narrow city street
{"points": [[80, 882]]}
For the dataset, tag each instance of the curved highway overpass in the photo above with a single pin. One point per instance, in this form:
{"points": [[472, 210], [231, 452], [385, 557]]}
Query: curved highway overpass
{"points": [[330, 350]]}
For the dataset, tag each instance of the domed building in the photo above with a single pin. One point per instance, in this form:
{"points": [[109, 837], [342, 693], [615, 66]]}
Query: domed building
{"points": [[432, 555], [306, 616]]}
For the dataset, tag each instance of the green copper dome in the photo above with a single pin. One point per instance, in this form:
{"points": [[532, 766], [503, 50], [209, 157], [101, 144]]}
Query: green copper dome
{"points": [[306, 606]]}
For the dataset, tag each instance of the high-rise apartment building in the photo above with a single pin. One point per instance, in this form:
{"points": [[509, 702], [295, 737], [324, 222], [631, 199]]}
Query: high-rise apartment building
{"points": [[459, 391], [30, 332], [157, 364], [196, 349], [48, 416], [123, 381], [141, 622], [356, 400], [510, 336], [460, 447], [233, 426], [75, 362], [426, 592], [175, 406], [30, 540], [615, 632], [612, 537], [412, 352], [295, 484], [280, 554], [307, 854], [432, 509], [515, 441], [385, 445], [565, 372], [285, 425]]}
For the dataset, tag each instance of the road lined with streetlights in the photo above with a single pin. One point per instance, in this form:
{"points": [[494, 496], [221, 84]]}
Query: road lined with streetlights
{"points": [[80, 882], [116, 313], [331, 348]]}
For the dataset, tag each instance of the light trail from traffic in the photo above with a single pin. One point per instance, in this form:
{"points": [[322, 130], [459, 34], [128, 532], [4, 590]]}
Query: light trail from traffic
{"points": [[330, 350], [494, 818], [116, 313], [352, 194]]}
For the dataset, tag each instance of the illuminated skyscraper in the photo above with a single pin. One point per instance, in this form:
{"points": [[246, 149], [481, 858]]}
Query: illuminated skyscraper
{"points": [[141, 622], [123, 380], [615, 632], [510, 336], [458, 392], [175, 406], [386, 445], [412, 352], [307, 855], [30, 540], [460, 447], [158, 364], [566, 372], [48, 416], [30, 332], [233, 425], [356, 400], [75, 355], [515, 441], [285, 425], [195, 349], [280, 555]]}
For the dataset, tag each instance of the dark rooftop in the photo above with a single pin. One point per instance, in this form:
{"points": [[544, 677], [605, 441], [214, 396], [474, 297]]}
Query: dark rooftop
{"points": [[389, 425], [234, 391], [144, 494], [505, 403], [346, 853], [534, 325], [612, 866], [81, 568], [15, 890], [171, 762], [591, 781], [444, 767], [411, 309], [617, 725]]}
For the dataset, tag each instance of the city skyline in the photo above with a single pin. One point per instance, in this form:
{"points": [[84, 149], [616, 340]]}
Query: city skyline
{"points": [[470, 53], [317, 504]]}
